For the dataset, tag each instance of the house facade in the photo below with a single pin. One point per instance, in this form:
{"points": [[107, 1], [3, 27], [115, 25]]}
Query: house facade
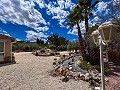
{"points": [[6, 48]]}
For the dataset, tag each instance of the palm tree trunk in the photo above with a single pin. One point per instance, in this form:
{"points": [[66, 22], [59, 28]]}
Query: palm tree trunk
{"points": [[86, 21], [81, 42], [87, 29]]}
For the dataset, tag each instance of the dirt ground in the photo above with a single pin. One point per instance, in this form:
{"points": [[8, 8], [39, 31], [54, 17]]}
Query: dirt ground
{"points": [[31, 73]]}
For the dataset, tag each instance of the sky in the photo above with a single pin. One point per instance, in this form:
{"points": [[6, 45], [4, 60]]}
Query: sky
{"points": [[31, 19]]}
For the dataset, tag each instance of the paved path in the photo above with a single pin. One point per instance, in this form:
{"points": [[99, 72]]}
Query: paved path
{"points": [[31, 73]]}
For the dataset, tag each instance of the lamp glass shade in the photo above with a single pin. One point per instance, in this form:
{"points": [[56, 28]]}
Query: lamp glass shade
{"points": [[95, 35], [95, 38], [107, 31], [105, 34]]}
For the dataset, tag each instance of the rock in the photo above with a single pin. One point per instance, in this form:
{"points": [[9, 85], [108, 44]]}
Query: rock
{"points": [[63, 71], [54, 73], [106, 79], [71, 62], [94, 72], [97, 88], [56, 68], [76, 68], [55, 59], [87, 76], [75, 74], [66, 79], [79, 63], [66, 63], [97, 79], [82, 75], [54, 63], [70, 68], [43, 52]]}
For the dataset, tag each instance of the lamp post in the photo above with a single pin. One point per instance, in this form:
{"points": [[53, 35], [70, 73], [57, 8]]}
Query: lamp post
{"points": [[101, 37], [98, 41]]}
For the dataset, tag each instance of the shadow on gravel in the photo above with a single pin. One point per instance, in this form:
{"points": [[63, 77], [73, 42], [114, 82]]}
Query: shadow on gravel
{"points": [[114, 68], [6, 64]]}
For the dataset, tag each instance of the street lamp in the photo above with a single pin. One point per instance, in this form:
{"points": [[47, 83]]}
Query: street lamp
{"points": [[102, 36]]}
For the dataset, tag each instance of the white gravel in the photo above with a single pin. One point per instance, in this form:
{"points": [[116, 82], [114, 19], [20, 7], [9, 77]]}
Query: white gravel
{"points": [[31, 73]]}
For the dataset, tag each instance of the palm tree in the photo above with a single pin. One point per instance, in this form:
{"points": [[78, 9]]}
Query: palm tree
{"points": [[74, 19], [87, 6]]}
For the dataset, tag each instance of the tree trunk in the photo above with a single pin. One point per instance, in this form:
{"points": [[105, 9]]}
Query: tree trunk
{"points": [[86, 21], [81, 42], [87, 29]]}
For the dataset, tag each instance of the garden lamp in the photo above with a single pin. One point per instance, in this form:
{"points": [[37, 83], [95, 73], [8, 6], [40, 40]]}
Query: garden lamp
{"points": [[107, 31], [101, 37], [95, 34]]}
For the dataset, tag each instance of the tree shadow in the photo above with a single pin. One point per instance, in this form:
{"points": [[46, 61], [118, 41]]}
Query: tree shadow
{"points": [[6, 64]]}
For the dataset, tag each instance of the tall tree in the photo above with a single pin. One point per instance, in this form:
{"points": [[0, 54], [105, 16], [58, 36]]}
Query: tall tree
{"points": [[37, 41], [40, 42], [53, 39], [57, 40], [87, 6], [74, 19]]}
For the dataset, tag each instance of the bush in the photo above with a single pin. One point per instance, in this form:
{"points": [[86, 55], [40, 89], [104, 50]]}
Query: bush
{"points": [[106, 70], [85, 64], [25, 46], [73, 46], [62, 48], [53, 47], [94, 57]]}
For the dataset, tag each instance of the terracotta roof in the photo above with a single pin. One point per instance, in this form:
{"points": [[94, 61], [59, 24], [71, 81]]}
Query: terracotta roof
{"points": [[6, 36]]}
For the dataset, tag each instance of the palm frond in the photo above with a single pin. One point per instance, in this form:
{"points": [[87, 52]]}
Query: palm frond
{"points": [[93, 5]]}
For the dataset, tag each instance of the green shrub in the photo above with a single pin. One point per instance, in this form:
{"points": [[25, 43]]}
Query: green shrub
{"points": [[85, 64], [62, 48], [53, 47], [73, 46], [94, 57], [106, 70]]}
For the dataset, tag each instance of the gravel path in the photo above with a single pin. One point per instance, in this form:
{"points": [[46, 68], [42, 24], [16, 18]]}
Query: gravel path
{"points": [[31, 73]]}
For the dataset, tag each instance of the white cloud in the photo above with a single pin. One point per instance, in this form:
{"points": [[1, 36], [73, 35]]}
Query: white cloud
{"points": [[65, 4], [18, 39], [4, 32], [102, 12], [39, 29], [59, 10], [96, 20], [22, 12], [74, 30], [101, 6], [41, 3], [32, 35]]}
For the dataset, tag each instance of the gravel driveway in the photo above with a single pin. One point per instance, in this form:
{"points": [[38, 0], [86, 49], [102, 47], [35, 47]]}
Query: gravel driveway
{"points": [[31, 73]]}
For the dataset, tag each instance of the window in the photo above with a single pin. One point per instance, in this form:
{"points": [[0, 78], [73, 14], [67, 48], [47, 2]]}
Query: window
{"points": [[1, 51], [1, 46]]}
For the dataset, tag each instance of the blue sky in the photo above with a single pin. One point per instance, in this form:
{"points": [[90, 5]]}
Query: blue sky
{"points": [[31, 19]]}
